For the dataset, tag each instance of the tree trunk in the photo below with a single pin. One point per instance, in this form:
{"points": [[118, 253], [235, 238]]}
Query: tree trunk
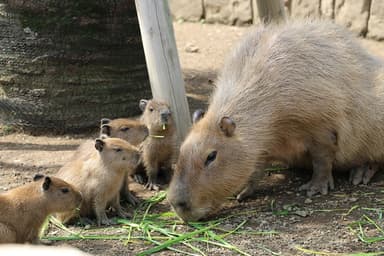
{"points": [[66, 64]]}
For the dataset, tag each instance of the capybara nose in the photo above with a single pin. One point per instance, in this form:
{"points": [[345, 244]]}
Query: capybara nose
{"points": [[180, 205], [165, 114]]}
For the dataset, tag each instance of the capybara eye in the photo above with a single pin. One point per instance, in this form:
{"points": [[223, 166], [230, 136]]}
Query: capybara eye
{"points": [[124, 129], [65, 190], [210, 158], [117, 149]]}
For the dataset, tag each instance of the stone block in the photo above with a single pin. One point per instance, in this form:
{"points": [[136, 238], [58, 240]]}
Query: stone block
{"points": [[376, 20], [305, 8], [189, 10], [353, 14], [232, 12]]}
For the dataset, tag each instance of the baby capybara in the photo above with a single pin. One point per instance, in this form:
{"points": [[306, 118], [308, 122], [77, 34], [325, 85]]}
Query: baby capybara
{"points": [[297, 92], [24, 209], [158, 148], [131, 130], [97, 170], [135, 132]]}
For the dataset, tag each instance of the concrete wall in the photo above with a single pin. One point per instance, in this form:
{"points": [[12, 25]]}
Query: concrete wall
{"points": [[363, 17]]}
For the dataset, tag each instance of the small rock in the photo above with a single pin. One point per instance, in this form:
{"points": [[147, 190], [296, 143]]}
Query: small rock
{"points": [[228, 227], [308, 201], [191, 48], [301, 213], [27, 30], [353, 199]]}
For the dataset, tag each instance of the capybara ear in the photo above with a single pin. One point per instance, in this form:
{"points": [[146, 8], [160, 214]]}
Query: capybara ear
{"points": [[143, 104], [104, 121], [105, 129], [47, 183], [227, 126], [38, 177], [197, 115], [99, 144]]}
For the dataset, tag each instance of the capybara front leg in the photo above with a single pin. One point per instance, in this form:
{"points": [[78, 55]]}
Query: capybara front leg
{"points": [[140, 176], [126, 194], [322, 178], [119, 210], [7, 234], [152, 172], [101, 216]]}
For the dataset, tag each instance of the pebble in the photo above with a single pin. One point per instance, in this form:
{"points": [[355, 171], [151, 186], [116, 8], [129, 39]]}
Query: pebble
{"points": [[27, 30], [302, 213], [228, 227], [191, 48], [308, 201]]}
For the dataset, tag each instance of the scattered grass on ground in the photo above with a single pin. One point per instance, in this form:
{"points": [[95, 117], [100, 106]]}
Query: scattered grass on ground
{"points": [[161, 231]]}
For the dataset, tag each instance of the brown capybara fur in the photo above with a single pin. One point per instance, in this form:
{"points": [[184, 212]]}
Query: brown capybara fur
{"points": [[131, 130], [158, 148], [135, 132], [24, 209], [303, 91], [98, 169]]}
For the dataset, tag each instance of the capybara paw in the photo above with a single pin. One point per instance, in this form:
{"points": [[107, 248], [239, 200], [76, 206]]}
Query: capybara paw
{"points": [[131, 199], [363, 174], [356, 175], [139, 178], [368, 174], [319, 186], [152, 186], [104, 221], [124, 214]]}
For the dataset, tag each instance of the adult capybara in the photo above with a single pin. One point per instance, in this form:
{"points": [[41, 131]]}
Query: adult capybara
{"points": [[297, 92], [98, 169], [24, 209], [158, 148]]}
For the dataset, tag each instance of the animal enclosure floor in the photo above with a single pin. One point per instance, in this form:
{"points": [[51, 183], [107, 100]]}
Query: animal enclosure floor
{"points": [[331, 224]]}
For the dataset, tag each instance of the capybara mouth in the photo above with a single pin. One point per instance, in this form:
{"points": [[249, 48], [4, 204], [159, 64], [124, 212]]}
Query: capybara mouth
{"points": [[164, 121], [163, 125], [194, 215]]}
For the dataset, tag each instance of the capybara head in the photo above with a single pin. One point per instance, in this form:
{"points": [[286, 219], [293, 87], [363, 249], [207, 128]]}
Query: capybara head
{"points": [[207, 170], [117, 153], [60, 195], [127, 129], [157, 115]]}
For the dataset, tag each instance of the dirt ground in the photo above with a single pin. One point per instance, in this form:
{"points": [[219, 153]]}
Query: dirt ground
{"points": [[323, 224]]}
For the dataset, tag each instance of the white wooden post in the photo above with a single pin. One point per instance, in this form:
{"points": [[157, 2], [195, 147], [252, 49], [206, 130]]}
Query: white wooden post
{"points": [[162, 60]]}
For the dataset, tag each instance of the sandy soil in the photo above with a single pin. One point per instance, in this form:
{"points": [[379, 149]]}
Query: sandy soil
{"points": [[321, 223]]}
